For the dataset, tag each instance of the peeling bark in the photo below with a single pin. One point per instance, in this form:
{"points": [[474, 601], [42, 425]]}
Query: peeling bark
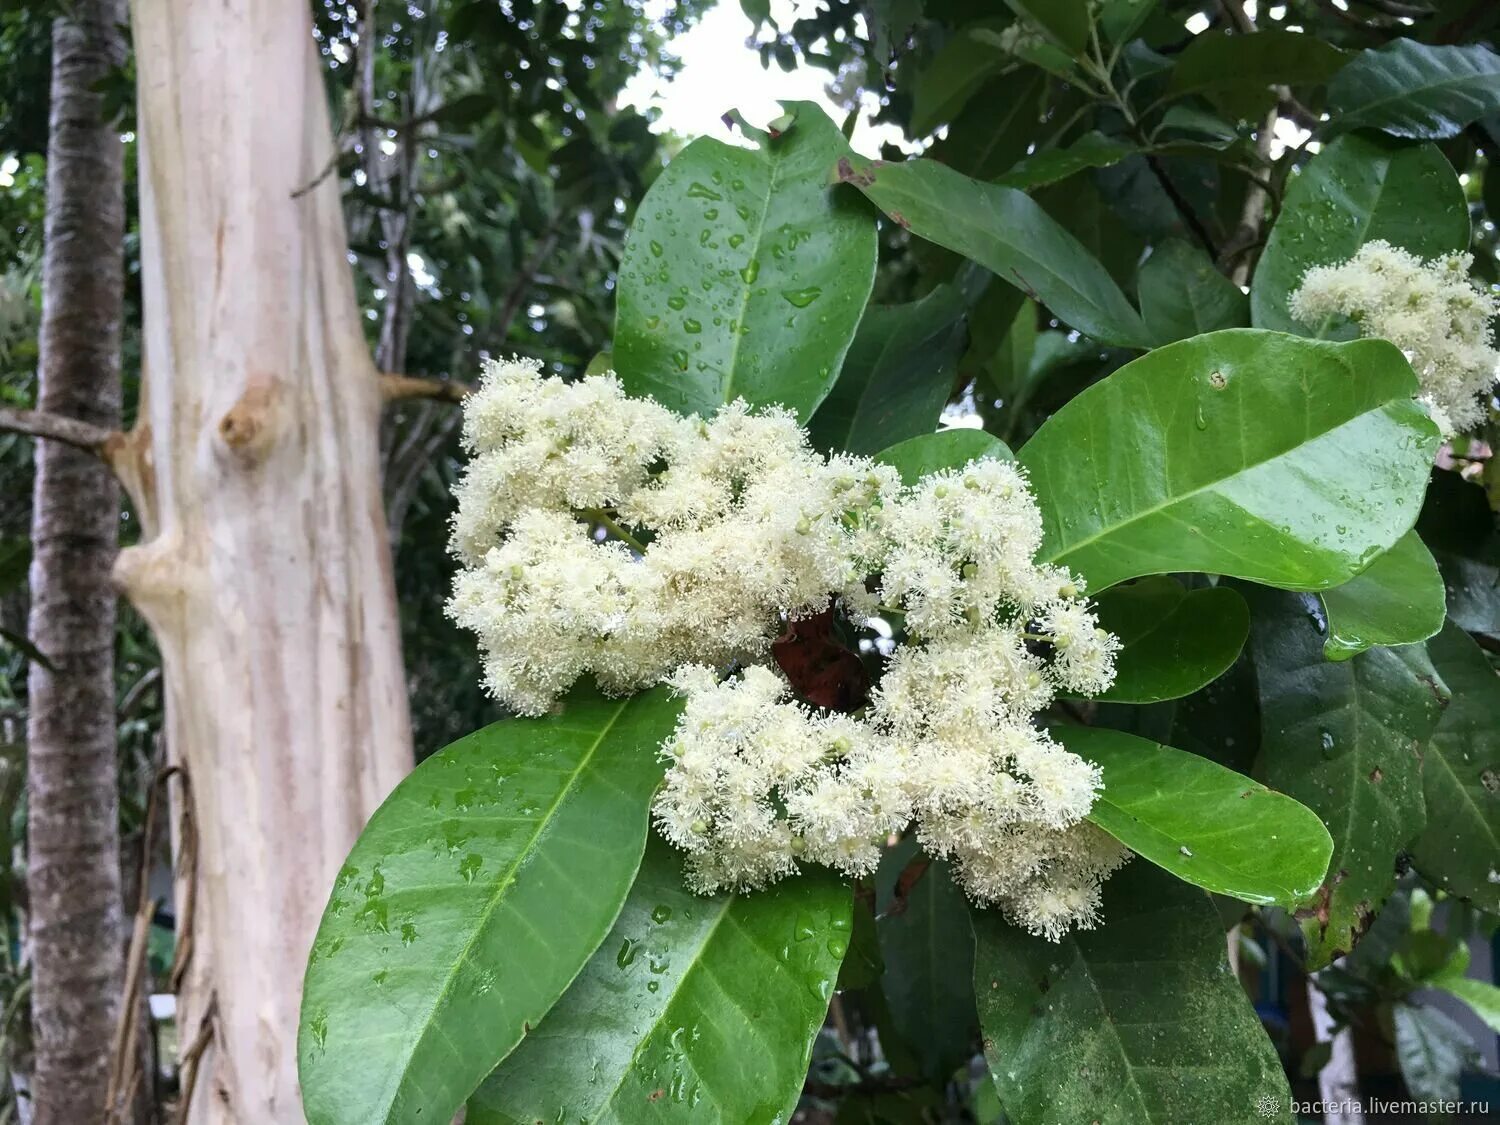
{"points": [[266, 577], [75, 925]]}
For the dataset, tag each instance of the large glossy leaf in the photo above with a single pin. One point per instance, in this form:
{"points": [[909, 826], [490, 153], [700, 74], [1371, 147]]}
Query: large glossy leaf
{"points": [[745, 273], [928, 950], [469, 902], [1396, 600], [1286, 461], [1174, 641], [915, 457], [897, 377], [1345, 739], [1357, 190], [1005, 231], [1138, 1022], [1183, 295], [1205, 824], [1460, 847], [1460, 529], [1238, 71], [694, 1009], [1413, 89]]}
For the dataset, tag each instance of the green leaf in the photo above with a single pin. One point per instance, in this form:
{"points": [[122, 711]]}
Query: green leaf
{"points": [[915, 457], [996, 126], [1459, 528], [1205, 824], [1344, 739], [1412, 89], [1238, 71], [1066, 22], [1174, 640], [473, 896], [1357, 190], [1121, 19], [1138, 1022], [1396, 600], [928, 949], [1480, 995], [1183, 295], [897, 377], [745, 274], [1285, 461], [1460, 848], [694, 1008], [946, 84], [1432, 1051], [1005, 231], [1092, 150]]}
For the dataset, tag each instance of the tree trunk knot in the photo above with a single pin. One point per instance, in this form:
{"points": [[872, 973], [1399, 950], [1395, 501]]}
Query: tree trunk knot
{"points": [[249, 427]]}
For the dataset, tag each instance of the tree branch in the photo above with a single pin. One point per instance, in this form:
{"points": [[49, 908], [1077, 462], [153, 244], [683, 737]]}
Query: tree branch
{"points": [[394, 386], [97, 440]]}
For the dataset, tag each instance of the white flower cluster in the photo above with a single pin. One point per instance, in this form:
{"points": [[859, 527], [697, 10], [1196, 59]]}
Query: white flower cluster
{"points": [[724, 531], [745, 524], [1431, 310]]}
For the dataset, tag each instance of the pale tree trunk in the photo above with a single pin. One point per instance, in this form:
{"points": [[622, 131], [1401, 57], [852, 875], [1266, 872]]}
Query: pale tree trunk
{"points": [[266, 576], [1338, 1080], [73, 844]]}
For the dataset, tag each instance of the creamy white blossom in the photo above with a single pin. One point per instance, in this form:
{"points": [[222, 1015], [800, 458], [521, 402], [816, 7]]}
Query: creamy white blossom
{"points": [[604, 536], [746, 526], [1431, 310]]}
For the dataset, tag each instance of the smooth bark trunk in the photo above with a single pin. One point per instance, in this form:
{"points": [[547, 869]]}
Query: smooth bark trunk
{"points": [[1338, 1080], [266, 576], [73, 846]]}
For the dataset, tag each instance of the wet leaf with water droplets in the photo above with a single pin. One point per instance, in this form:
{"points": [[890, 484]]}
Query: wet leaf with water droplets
{"points": [[475, 913], [713, 1021], [1396, 600], [1460, 848], [1300, 437], [787, 241], [1206, 824], [1345, 739]]}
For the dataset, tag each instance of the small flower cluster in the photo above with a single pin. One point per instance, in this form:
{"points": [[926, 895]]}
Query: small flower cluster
{"points": [[1431, 310], [725, 530]]}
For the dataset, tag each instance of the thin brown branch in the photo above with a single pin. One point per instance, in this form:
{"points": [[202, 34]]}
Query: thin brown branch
{"points": [[394, 386], [98, 440], [193, 1056]]}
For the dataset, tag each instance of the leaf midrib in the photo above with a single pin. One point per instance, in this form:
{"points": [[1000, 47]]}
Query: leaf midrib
{"points": [[1475, 75], [774, 161], [1208, 486], [502, 884], [1132, 319], [698, 955]]}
